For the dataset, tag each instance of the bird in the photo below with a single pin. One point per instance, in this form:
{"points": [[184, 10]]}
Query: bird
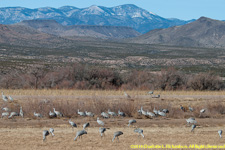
{"points": [[5, 109], [191, 109], [37, 115], [4, 114], [90, 114], [202, 110], [102, 130], [165, 111], [132, 121], [116, 134], [100, 122], [150, 114], [143, 112], [12, 114], [191, 120], [72, 124], [156, 96], [220, 133], [4, 98], [58, 114], [21, 111], [162, 113], [182, 108], [86, 125], [104, 115], [121, 113], [45, 133], [151, 92], [80, 133], [81, 113], [127, 96], [10, 98], [52, 114], [113, 114], [51, 130], [155, 111], [193, 127], [140, 131]]}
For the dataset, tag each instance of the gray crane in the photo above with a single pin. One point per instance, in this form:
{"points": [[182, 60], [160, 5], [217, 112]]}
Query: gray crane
{"points": [[190, 109], [113, 114], [182, 108], [45, 133], [162, 113], [12, 114], [155, 111], [132, 121], [102, 131], [191, 120], [116, 134], [121, 113], [38, 115], [21, 111], [150, 92], [10, 98], [58, 114], [72, 124], [100, 122], [4, 98], [5, 109], [5, 114], [220, 133], [156, 96], [202, 111], [127, 96], [52, 114], [81, 113], [150, 114], [90, 114], [139, 131], [86, 125], [104, 115], [193, 127], [143, 112], [165, 111], [80, 133], [51, 130]]}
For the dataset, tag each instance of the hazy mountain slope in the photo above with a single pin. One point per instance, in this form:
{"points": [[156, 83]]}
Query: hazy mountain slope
{"points": [[123, 15], [204, 32], [104, 32]]}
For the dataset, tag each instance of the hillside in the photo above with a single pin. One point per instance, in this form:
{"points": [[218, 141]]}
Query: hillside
{"points": [[104, 32], [204, 32], [123, 15]]}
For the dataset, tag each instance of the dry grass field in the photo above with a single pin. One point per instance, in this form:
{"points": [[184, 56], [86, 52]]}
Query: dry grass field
{"points": [[26, 133]]}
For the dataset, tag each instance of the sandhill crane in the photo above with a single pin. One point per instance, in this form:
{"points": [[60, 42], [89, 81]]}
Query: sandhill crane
{"points": [[51, 130], [182, 108], [45, 133], [37, 115], [90, 114], [52, 114], [162, 113], [121, 113], [86, 125], [191, 120], [116, 134], [190, 109], [5, 109], [132, 121], [139, 131], [150, 114], [102, 130], [5, 114], [220, 133], [12, 114], [21, 111], [81, 113], [193, 127], [113, 114], [127, 96], [72, 124], [58, 114], [10, 98], [104, 115], [4, 98], [100, 122], [80, 133], [143, 112], [155, 111]]}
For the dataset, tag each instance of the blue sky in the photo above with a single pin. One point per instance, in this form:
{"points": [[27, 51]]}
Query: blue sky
{"points": [[181, 9]]}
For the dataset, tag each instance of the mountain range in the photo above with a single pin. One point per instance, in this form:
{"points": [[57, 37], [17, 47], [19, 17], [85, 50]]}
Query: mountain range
{"points": [[204, 32], [124, 15]]}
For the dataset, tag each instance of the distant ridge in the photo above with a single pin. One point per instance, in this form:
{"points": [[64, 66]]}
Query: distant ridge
{"points": [[204, 32], [104, 32], [123, 15]]}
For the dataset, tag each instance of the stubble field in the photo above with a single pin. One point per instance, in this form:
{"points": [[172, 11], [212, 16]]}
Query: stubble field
{"points": [[26, 133]]}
